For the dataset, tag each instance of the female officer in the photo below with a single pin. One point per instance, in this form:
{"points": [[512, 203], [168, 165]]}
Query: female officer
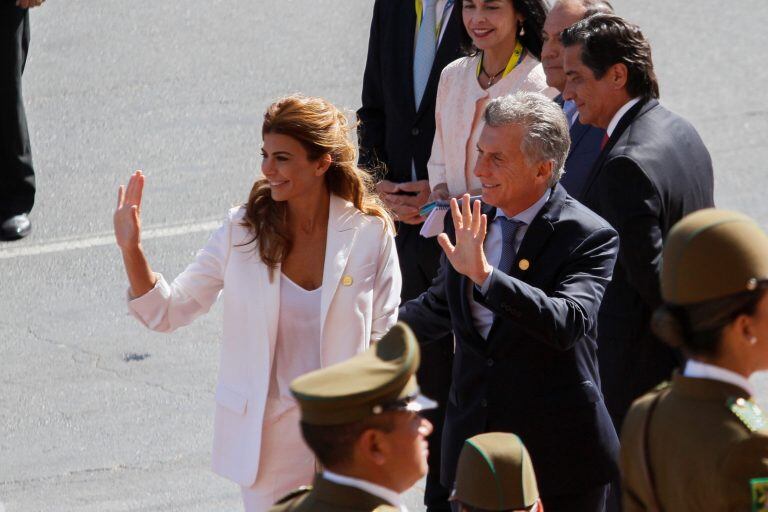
{"points": [[700, 442]]}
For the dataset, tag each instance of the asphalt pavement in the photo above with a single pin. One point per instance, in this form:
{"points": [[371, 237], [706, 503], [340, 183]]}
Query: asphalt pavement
{"points": [[96, 412]]}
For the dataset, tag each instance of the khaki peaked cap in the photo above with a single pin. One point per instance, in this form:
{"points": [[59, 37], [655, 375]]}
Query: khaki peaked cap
{"points": [[377, 380], [711, 254], [495, 472]]}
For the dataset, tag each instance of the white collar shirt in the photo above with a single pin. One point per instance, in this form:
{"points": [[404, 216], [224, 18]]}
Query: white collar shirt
{"points": [[387, 495], [619, 114], [482, 316], [700, 370]]}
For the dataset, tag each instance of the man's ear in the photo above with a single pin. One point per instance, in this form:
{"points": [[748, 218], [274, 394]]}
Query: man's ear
{"points": [[323, 163], [544, 170], [373, 447], [617, 75]]}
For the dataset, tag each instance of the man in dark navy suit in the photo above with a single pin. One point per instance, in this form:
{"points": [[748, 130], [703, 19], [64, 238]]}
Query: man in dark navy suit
{"points": [[586, 140], [410, 44], [653, 170], [522, 303]]}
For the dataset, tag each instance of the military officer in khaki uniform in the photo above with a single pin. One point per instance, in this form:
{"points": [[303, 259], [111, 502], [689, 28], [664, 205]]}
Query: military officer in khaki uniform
{"points": [[495, 473], [361, 419], [700, 443]]}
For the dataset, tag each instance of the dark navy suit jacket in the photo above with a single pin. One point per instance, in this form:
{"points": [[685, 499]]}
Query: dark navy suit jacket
{"points": [[585, 148], [536, 374]]}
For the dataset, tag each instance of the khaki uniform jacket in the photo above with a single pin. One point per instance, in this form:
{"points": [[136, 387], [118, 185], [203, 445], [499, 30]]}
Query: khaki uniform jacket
{"points": [[327, 496], [707, 450]]}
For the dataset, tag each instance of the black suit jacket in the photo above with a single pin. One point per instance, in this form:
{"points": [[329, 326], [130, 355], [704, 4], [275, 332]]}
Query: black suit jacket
{"points": [[536, 374], [653, 171], [392, 132]]}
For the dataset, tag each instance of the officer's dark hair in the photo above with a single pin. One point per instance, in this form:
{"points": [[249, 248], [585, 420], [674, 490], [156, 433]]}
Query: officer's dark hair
{"points": [[607, 39], [534, 13], [697, 329], [334, 444]]}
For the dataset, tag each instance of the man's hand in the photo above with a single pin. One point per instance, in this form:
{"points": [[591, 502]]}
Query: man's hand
{"points": [[467, 256], [28, 4], [404, 206]]}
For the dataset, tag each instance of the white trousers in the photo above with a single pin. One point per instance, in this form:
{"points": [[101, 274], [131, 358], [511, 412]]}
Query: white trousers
{"points": [[285, 464]]}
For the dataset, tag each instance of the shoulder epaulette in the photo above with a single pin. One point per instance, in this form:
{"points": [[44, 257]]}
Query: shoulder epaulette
{"points": [[748, 413], [304, 489]]}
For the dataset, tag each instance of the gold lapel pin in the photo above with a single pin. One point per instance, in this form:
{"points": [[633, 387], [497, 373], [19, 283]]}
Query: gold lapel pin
{"points": [[346, 280], [524, 264]]}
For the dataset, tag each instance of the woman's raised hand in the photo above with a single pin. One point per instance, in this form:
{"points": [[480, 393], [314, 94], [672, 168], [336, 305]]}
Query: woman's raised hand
{"points": [[127, 216]]}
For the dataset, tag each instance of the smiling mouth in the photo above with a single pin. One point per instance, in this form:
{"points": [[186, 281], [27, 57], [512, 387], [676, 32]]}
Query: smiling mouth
{"points": [[485, 186], [277, 183], [481, 32]]}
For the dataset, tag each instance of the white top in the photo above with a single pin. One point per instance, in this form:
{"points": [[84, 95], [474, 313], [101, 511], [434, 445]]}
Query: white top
{"points": [[387, 495], [619, 114], [483, 316], [297, 350], [700, 370]]}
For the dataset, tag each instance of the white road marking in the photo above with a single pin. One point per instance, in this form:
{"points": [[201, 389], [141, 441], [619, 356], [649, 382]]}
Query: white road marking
{"points": [[71, 244]]}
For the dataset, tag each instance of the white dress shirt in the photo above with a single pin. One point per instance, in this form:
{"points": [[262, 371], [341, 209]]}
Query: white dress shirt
{"points": [[619, 114], [388, 495], [700, 370], [483, 316]]}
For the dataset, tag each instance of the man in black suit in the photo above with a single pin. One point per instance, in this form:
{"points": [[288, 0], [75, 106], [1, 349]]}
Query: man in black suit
{"points": [[17, 177], [397, 125], [522, 303], [585, 139], [653, 170]]}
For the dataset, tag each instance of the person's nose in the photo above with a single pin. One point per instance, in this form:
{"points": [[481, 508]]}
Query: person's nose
{"points": [[568, 92], [480, 167], [426, 427], [550, 50]]}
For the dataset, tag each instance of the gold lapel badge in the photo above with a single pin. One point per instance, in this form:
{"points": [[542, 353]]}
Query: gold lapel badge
{"points": [[346, 280], [524, 264]]}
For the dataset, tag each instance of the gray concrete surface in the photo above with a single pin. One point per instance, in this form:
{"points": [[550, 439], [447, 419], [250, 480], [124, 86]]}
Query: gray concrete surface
{"points": [[97, 413]]}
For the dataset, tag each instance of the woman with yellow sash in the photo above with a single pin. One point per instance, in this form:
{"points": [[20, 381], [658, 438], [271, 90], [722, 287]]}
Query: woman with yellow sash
{"points": [[503, 41]]}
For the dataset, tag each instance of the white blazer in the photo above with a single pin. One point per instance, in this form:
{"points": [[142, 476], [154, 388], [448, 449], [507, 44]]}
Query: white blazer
{"points": [[359, 300]]}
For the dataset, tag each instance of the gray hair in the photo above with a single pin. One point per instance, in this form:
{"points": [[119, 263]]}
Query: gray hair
{"points": [[546, 129]]}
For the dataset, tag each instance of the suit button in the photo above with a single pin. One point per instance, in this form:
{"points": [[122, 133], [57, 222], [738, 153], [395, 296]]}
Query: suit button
{"points": [[415, 131], [489, 362], [483, 403]]}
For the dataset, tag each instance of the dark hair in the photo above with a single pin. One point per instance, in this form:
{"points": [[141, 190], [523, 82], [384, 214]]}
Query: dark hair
{"points": [[334, 444], [607, 39], [468, 508], [534, 13], [698, 328]]}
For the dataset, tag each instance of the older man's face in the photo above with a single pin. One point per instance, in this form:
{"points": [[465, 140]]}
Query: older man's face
{"points": [[509, 181], [564, 14]]}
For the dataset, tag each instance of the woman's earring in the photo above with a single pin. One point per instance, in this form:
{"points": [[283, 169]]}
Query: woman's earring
{"points": [[521, 32], [753, 340]]}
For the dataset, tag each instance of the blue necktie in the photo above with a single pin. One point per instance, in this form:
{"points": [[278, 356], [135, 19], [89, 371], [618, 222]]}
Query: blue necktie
{"points": [[424, 54], [509, 229]]}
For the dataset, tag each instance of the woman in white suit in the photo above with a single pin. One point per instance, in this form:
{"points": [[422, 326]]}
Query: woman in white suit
{"points": [[308, 273]]}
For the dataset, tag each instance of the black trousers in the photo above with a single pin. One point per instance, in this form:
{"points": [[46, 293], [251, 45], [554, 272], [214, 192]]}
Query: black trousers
{"points": [[419, 262], [17, 177]]}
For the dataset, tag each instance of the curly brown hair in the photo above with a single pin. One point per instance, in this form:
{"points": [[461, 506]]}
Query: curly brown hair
{"points": [[321, 129]]}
